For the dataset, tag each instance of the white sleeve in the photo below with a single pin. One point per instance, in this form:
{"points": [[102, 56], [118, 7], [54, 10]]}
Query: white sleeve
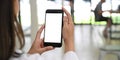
{"points": [[70, 56], [67, 56], [28, 57]]}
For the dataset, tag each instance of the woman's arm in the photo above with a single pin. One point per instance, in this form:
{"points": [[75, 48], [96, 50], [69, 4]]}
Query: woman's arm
{"points": [[68, 36]]}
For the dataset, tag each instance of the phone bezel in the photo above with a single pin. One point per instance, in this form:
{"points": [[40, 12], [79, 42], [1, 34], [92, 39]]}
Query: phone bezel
{"points": [[53, 43]]}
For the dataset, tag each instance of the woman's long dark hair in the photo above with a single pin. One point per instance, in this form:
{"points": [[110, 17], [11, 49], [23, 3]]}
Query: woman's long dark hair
{"points": [[9, 29]]}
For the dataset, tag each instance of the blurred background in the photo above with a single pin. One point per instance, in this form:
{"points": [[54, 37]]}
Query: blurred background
{"points": [[89, 41]]}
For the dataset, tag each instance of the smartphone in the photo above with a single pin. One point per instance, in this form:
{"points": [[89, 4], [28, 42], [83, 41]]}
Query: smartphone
{"points": [[53, 27]]}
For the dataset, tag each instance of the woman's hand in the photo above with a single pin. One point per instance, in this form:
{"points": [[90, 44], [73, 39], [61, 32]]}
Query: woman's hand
{"points": [[37, 46], [68, 31]]}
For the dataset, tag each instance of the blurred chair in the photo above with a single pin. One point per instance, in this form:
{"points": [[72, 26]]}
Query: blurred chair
{"points": [[109, 49], [111, 46]]}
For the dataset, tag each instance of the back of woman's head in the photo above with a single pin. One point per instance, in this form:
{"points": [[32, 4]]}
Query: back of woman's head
{"points": [[9, 29]]}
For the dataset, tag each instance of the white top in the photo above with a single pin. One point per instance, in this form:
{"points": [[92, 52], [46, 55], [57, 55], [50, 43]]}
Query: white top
{"points": [[67, 56]]}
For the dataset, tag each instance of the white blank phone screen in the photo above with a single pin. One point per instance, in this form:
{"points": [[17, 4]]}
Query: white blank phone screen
{"points": [[53, 27]]}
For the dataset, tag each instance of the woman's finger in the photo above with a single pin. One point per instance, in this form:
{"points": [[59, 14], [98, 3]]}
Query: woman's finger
{"points": [[68, 15], [39, 32], [65, 20], [42, 42]]}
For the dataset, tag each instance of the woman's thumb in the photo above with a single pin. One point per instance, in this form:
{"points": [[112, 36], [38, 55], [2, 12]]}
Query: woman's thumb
{"points": [[45, 49]]}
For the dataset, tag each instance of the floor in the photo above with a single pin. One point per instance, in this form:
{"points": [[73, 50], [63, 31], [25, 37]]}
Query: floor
{"points": [[88, 40]]}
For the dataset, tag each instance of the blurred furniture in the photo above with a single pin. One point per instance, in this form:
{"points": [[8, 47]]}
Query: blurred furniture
{"points": [[114, 34], [109, 49], [115, 31]]}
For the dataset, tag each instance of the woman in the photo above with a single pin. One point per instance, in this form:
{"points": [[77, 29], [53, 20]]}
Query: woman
{"points": [[10, 29], [98, 17]]}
